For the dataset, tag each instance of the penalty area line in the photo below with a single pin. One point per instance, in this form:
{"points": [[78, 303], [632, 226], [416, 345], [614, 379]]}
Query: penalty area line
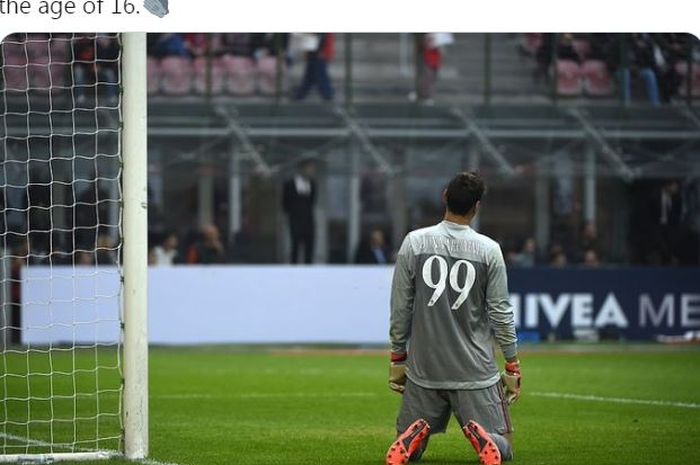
{"points": [[616, 400], [115, 454]]}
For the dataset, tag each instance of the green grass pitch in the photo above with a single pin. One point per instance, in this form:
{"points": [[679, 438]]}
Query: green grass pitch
{"points": [[224, 405]]}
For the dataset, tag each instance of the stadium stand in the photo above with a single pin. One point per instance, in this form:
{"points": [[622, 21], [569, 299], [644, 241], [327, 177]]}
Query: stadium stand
{"points": [[176, 75], [205, 70], [382, 67], [513, 129], [693, 77], [240, 75], [569, 78], [597, 81], [267, 75]]}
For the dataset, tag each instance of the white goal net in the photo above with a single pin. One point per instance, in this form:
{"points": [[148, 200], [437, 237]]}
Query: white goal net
{"points": [[61, 205]]}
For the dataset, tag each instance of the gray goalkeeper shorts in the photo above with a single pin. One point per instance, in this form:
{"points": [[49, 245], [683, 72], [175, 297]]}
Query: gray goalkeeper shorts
{"points": [[487, 407]]}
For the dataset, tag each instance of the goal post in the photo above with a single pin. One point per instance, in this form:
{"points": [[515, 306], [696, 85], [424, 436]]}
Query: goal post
{"points": [[134, 155], [73, 247]]}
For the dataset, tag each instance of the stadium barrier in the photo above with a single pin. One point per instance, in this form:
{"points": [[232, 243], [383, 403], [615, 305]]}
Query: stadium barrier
{"points": [[346, 304]]}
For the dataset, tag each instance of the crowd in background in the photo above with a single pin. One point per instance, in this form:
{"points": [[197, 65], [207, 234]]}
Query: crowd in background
{"points": [[663, 222], [193, 45], [87, 63], [254, 49], [659, 222], [660, 232], [650, 59], [631, 60], [649, 62]]}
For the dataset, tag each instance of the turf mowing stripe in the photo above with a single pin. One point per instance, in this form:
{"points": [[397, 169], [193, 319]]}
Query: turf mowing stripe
{"points": [[616, 400], [34, 442], [271, 395]]}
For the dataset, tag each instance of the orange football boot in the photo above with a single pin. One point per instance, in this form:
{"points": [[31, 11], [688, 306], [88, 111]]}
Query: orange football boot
{"points": [[407, 443], [482, 443]]}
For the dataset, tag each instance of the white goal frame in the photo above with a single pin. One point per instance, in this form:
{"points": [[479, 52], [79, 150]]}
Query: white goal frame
{"points": [[135, 266], [135, 237]]}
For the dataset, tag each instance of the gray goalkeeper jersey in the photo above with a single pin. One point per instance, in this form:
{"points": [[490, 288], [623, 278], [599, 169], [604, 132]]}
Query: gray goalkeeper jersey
{"points": [[449, 302]]}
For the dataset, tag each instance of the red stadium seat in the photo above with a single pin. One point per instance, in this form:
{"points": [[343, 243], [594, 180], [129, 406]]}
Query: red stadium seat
{"points": [[176, 75], [682, 69], [568, 78], [154, 76], [200, 76], [240, 75], [266, 70], [597, 81]]}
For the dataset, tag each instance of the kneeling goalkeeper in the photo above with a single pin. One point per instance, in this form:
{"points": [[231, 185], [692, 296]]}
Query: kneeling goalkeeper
{"points": [[449, 301]]}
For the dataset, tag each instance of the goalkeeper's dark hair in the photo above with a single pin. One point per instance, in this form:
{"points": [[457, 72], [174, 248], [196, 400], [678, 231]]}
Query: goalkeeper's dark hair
{"points": [[463, 191]]}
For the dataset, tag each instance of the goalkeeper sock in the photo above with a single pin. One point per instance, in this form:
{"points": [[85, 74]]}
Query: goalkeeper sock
{"points": [[503, 446]]}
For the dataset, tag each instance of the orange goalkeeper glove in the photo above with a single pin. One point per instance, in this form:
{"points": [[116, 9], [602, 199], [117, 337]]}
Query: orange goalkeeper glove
{"points": [[511, 381], [397, 372]]}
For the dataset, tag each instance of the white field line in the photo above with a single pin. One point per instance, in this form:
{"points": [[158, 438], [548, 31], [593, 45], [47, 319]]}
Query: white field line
{"points": [[616, 400], [116, 454], [34, 442]]}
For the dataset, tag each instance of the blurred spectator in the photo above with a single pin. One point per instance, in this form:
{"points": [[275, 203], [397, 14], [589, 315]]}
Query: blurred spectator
{"points": [[84, 259], [60, 254], [527, 256], [543, 57], [670, 214], [167, 45], [588, 240], [590, 259], [634, 56], [669, 50], [151, 256], [558, 260], [320, 49], [105, 253], [166, 253], [298, 198], [271, 44], [566, 50], [196, 44], [84, 65], [373, 249], [209, 249], [96, 62], [599, 44], [236, 44], [429, 64], [557, 256], [108, 54]]}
